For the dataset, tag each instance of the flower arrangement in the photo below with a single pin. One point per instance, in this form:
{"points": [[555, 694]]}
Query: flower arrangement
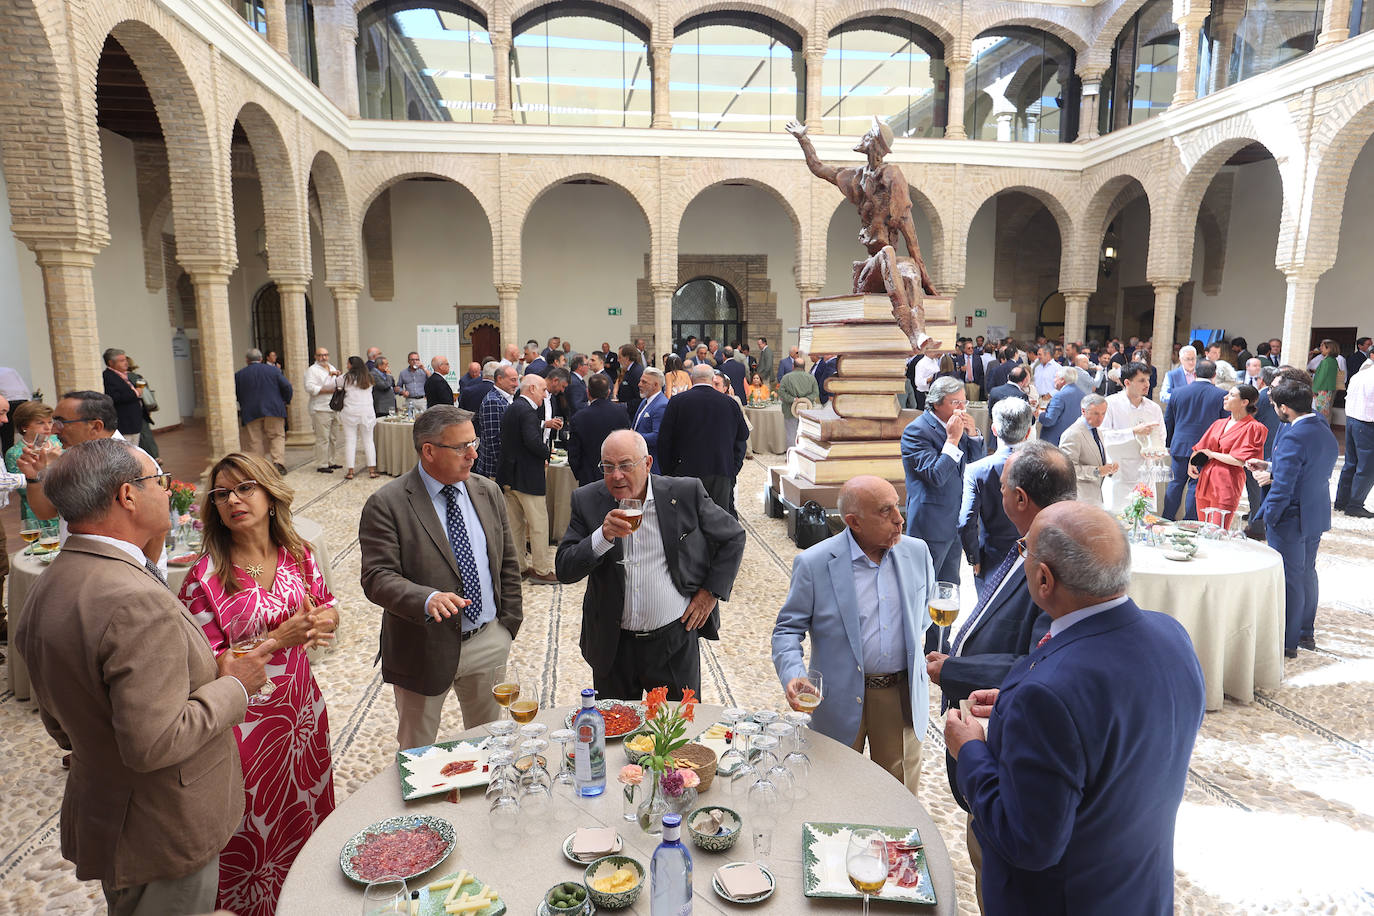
{"points": [[183, 496], [1138, 503], [672, 786], [668, 729]]}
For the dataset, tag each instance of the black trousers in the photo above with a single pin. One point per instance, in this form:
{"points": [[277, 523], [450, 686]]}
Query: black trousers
{"points": [[667, 657], [721, 489]]}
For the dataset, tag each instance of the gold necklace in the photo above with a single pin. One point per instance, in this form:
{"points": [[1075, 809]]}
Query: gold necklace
{"points": [[255, 571]]}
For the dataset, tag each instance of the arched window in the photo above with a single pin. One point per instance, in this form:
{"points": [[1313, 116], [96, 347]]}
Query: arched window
{"points": [[1020, 85], [1244, 38], [254, 12], [581, 63], [888, 68], [736, 71], [1140, 83], [706, 308], [300, 37], [267, 325], [425, 62]]}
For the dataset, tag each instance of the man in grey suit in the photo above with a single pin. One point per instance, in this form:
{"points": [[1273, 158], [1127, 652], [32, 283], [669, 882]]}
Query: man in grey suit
{"points": [[1082, 444], [862, 596], [685, 554], [438, 556], [765, 369]]}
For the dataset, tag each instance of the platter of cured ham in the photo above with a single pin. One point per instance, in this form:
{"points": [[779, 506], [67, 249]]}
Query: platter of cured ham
{"points": [[398, 847], [443, 767], [824, 873]]}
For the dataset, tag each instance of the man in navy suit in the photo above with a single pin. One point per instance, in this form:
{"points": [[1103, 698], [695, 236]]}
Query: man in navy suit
{"points": [[985, 531], [697, 436], [1297, 510], [734, 370], [1064, 408], [473, 392], [1018, 380], [1192, 409], [628, 392], [785, 366], [649, 415], [1075, 790], [1265, 413], [997, 374], [590, 427], [970, 365], [577, 384], [936, 448]]}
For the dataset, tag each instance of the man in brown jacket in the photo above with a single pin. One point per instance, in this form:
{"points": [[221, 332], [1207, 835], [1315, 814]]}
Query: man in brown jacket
{"points": [[126, 681], [438, 556]]}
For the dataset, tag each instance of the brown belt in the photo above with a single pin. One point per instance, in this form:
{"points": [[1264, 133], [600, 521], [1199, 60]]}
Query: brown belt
{"points": [[880, 681]]}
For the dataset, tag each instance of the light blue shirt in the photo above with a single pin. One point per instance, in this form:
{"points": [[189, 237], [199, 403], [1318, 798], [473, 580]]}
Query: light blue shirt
{"points": [[476, 537], [881, 631], [1060, 624]]}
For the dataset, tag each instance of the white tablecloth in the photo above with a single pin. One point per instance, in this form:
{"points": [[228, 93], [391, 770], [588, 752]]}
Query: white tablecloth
{"points": [[395, 446], [1230, 600]]}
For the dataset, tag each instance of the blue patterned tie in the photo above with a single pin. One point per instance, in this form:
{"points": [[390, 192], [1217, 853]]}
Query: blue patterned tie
{"points": [[989, 587], [462, 552]]}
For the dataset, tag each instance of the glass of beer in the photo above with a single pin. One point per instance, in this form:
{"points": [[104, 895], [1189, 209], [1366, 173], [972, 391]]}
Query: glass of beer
{"points": [[810, 694], [507, 691], [245, 634], [865, 861], [524, 709], [944, 603], [633, 511], [29, 534]]}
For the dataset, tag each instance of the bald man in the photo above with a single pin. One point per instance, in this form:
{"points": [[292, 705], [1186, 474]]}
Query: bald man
{"points": [[1076, 788], [862, 596]]}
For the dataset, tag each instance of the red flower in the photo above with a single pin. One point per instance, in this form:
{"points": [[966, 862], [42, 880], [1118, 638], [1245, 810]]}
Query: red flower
{"points": [[688, 707], [657, 697]]}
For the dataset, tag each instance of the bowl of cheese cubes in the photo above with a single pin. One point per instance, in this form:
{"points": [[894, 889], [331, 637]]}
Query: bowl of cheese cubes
{"points": [[614, 882]]}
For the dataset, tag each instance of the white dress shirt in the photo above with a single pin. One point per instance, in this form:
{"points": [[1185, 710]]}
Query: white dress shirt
{"points": [[1044, 377], [651, 599], [644, 408], [879, 602], [1359, 394], [924, 372], [476, 537], [1122, 446], [320, 383]]}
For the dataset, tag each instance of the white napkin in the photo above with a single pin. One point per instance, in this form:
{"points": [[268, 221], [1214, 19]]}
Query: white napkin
{"points": [[747, 880], [593, 841]]}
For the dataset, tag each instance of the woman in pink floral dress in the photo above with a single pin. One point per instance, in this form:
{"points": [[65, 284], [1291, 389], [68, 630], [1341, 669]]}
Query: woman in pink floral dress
{"points": [[256, 564]]}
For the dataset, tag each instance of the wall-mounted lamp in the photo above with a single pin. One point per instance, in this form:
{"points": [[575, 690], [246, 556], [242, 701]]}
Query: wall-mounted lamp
{"points": [[1110, 251]]}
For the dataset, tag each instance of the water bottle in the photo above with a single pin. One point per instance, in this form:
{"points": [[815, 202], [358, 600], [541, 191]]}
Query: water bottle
{"points": [[589, 753], [670, 872]]}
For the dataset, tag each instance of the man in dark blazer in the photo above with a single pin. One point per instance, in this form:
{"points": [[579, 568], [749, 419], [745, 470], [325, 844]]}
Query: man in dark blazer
{"points": [[1297, 510], [1067, 824], [686, 552], [263, 393], [648, 417], [1018, 380], [628, 392], [537, 366], [1191, 409], [936, 448], [438, 557], [437, 389], [1064, 408], [822, 370], [610, 362], [522, 477], [576, 395], [1266, 414], [985, 531], [590, 428], [698, 435], [969, 362], [735, 371], [785, 365], [473, 393], [128, 402]]}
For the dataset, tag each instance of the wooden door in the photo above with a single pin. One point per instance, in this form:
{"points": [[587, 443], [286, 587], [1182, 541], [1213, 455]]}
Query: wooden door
{"points": [[486, 343]]}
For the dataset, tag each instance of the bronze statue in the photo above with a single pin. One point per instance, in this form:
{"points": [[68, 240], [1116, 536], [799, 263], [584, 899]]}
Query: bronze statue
{"points": [[881, 193]]}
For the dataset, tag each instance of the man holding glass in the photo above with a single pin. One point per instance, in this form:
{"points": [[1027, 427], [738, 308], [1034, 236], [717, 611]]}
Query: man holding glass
{"points": [[658, 556], [862, 596]]}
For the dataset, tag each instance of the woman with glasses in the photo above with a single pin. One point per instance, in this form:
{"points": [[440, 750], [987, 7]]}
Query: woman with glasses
{"points": [[358, 416], [33, 420], [256, 565]]}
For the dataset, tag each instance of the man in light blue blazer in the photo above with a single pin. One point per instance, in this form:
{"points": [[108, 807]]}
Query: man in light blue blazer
{"points": [[863, 596]]}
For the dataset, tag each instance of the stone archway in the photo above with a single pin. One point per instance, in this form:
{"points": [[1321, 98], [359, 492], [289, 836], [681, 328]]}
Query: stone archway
{"points": [[745, 274]]}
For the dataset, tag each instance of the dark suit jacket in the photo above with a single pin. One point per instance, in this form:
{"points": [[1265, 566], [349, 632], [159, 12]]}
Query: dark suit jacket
{"points": [[1353, 363], [698, 434], [734, 370], [984, 529], [1299, 500], [262, 391], [702, 543], [1192, 409], [822, 371], [1266, 414], [1063, 410], [576, 395], [128, 405], [979, 373], [933, 479], [649, 423], [1075, 792], [587, 431], [611, 361], [996, 376], [406, 555], [628, 392], [784, 367], [538, 366], [471, 397], [1006, 390], [437, 391], [523, 452]]}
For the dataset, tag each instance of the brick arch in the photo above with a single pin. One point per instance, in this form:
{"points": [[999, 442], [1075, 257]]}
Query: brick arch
{"points": [[1048, 188], [283, 198], [680, 196], [778, 10], [1098, 54], [634, 11], [1336, 142], [153, 268], [939, 19], [486, 7], [520, 198], [1103, 206], [1029, 16], [336, 219]]}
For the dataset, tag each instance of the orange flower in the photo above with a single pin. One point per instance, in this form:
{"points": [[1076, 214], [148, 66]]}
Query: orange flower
{"points": [[657, 697], [687, 709]]}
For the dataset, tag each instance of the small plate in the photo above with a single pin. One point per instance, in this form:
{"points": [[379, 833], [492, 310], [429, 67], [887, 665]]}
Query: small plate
{"points": [[589, 909], [757, 898], [568, 853], [1177, 557], [603, 705], [419, 767], [432, 902], [392, 825]]}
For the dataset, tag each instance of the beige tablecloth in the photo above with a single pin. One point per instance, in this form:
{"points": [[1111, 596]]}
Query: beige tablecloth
{"points": [[845, 787], [24, 572], [979, 411], [395, 446], [560, 484], [768, 436], [1230, 600]]}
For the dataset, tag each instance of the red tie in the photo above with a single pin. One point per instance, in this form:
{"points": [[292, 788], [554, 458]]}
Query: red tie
{"points": [[1043, 639]]}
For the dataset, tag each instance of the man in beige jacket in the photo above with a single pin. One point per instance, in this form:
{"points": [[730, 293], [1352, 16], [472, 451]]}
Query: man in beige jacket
{"points": [[1082, 443], [125, 680]]}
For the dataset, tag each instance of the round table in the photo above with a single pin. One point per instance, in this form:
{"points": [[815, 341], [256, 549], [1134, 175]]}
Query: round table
{"points": [[559, 485], [25, 570], [979, 411], [395, 446], [1230, 600], [845, 787], [768, 436]]}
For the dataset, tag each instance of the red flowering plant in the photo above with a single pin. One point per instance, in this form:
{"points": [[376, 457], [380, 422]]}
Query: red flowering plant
{"points": [[1138, 503], [667, 728], [182, 496]]}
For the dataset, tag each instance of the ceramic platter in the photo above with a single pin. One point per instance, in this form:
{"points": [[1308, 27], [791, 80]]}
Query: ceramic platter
{"points": [[395, 825], [421, 768], [823, 869], [640, 709]]}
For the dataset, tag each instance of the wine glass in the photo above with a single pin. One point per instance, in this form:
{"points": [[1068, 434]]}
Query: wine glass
{"points": [[564, 785], [732, 756], [744, 775], [507, 690], [245, 634], [796, 761], [633, 510], [774, 769], [505, 778], [501, 728], [503, 814], [29, 534], [536, 786], [810, 694], [386, 896], [764, 802], [865, 861], [944, 604]]}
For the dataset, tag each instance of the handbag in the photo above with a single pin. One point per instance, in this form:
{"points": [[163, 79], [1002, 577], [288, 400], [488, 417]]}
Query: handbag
{"points": [[1199, 460], [336, 400], [149, 399]]}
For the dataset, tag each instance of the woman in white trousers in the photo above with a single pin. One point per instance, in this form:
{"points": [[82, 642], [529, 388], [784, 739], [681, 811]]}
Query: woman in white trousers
{"points": [[358, 417]]}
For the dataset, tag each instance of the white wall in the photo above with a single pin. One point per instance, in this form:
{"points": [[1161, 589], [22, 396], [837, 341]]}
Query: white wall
{"points": [[842, 247], [1345, 294], [977, 291], [583, 249], [24, 345]]}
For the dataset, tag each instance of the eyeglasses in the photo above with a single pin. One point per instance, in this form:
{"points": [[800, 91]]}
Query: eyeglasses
{"points": [[1022, 550], [243, 490], [162, 480], [624, 467], [460, 447], [63, 421]]}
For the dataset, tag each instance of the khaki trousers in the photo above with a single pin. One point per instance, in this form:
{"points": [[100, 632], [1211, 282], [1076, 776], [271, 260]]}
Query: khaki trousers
{"points": [[328, 437], [529, 517], [975, 857], [481, 666], [266, 437], [186, 896], [892, 744]]}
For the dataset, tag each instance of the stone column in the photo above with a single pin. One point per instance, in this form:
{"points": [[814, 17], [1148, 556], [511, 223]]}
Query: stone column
{"points": [[508, 295], [295, 350], [662, 64], [500, 57], [807, 291], [663, 316], [349, 99], [815, 61], [346, 317], [1335, 22], [1297, 318], [276, 29], [211, 282], [1089, 108], [954, 120], [69, 293], [1075, 314], [1166, 308], [1185, 89]]}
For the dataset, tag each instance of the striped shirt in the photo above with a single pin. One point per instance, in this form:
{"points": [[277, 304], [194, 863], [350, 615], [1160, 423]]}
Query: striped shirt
{"points": [[651, 599]]}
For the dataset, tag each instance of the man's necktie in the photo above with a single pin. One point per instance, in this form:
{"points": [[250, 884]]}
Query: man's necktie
{"points": [[1098, 441], [462, 552], [157, 573], [643, 409], [990, 585], [1043, 639]]}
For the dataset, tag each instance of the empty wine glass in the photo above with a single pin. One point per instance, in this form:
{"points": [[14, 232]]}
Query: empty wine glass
{"points": [[505, 778], [772, 766], [503, 814], [533, 731], [564, 785], [796, 761], [732, 756], [386, 896], [744, 775], [501, 727], [764, 803], [536, 786], [766, 717]]}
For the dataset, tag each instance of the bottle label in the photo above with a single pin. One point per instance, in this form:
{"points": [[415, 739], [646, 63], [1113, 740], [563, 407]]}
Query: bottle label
{"points": [[582, 754]]}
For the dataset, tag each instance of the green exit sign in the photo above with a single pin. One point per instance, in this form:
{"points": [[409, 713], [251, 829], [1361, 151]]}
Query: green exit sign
{"points": [[612, 311], [980, 313]]}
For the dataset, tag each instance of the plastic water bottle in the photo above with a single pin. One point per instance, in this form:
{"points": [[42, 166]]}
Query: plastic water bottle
{"points": [[670, 872], [589, 752]]}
